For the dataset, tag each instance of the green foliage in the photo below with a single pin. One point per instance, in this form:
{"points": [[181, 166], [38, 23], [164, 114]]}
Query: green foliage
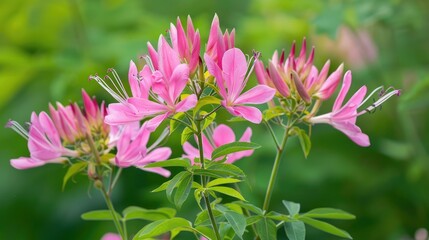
{"points": [[73, 170], [295, 230], [232, 148]]}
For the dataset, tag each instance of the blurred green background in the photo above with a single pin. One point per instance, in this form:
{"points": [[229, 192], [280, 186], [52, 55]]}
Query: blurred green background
{"points": [[48, 48]]}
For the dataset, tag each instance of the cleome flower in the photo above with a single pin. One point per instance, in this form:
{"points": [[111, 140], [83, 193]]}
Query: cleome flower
{"points": [[231, 79], [343, 117]]}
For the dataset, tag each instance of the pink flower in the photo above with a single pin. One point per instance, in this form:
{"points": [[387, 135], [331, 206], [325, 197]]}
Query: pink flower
{"points": [[133, 151], [44, 143], [187, 45], [343, 117], [219, 43], [111, 236], [221, 135], [167, 78], [306, 80], [231, 80]]}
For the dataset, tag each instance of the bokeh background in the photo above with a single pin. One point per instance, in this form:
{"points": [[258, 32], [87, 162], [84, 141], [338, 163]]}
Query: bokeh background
{"points": [[48, 48]]}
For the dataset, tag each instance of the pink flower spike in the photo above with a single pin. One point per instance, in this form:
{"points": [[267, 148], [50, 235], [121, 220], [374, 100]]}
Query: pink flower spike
{"points": [[232, 80], [277, 80]]}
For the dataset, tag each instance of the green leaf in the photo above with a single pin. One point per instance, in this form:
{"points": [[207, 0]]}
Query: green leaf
{"points": [[175, 162], [174, 182], [183, 190], [173, 123], [162, 187], [205, 101], [253, 219], [204, 220], [186, 134], [72, 170], [305, 142], [237, 222], [326, 227], [329, 213], [273, 112], [131, 213], [279, 217], [292, 208], [208, 120], [99, 215], [162, 226], [228, 191], [250, 207], [266, 229], [221, 181], [232, 148], [230, 170], [295, 230], [206, 231]]}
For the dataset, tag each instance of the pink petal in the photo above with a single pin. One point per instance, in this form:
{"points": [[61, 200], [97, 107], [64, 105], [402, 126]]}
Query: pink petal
{"points": [[223, 135], [178, 81], [353, 132], [214, 70], [234, 66], [330, 85], [154, 123], [91, 109], [146, 107], [161, 171], [252, 114], [261, 74], [187, 103], [167, 57], [349, 110], [111, 236], [25, 163], [257, 95], [190, 152], [278, 81], [347, 81], [158, 154], [119, 113], [153, 55], [238, 155]]}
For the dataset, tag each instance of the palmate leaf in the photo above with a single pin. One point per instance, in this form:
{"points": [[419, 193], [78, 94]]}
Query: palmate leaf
{"points": [[237, 222], [228, 191]]}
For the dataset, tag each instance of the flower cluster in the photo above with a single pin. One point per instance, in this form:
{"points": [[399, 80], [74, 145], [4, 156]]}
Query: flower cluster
{"points": [[182, 83], [69, 134]]}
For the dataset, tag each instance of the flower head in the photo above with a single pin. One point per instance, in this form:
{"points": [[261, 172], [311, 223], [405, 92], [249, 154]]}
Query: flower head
{"points": [[231, 79], [343, 117]]}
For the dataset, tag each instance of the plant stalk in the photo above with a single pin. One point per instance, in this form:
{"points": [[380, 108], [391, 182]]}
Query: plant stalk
{"points": [[275, 170], [113, 212]]}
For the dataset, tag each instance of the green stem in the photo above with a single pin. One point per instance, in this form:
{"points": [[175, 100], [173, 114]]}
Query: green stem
{"points": [[112, 210], [270, 129], [275, 170], [204, 182], [211, 112], [115, 180]]}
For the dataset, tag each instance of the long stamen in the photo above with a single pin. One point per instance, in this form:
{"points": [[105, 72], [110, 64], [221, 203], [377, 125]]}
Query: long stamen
{"points": [[380, 101], [251, 65], [14, 125], [118, 97], [149, 62], [118, 80], [372, 93]]}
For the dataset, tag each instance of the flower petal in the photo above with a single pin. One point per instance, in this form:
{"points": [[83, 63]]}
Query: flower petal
{"points": [[353, 132], [223, 135], [257, 95], [251, 114], [234, 66], [187, 103]]}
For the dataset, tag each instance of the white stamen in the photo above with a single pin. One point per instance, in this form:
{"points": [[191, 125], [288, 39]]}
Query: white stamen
{"points": [[118, 80], [117, 96], [251, 62], [149, 63], [372, 93], [380, 101], [14, 125]]}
